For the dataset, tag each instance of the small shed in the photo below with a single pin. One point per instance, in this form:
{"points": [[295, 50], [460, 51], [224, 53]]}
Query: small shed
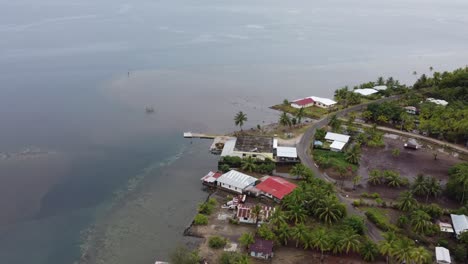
{"points": [[445, 227], [337, 146], [261, 248], [442, 255]]}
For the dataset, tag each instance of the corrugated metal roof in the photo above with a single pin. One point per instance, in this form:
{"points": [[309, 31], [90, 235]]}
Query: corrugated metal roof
{"points": [[322, 100], [365, 91], [337, 137], [278, 187], [287, 152], [237, 179], [443, 255], [304, 101], [262, 246], [337, 145], [211, 177], [380, 87], [460, 223], [228, 148]]}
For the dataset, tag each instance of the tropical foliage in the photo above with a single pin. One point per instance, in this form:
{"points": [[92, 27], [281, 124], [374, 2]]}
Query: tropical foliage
{"points": [[457, 185], [240, 119]]}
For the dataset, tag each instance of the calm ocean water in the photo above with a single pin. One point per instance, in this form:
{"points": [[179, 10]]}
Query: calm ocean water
{"points": [[75, 79]]}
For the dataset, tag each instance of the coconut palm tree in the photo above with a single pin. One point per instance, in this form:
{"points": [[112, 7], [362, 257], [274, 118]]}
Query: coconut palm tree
{"points": [[375, 177], [431, 68], [406, 201], [420, 255], [246, 239], [277, 218], [330, 210], [387, 246], [299, 170], [420, 221], [284, 119], [369, 250], [393, 178], [283, 233], [350, 241], [403, 250], [334, 123], [256, 211], [240, 119], [299, 233], [353, 155], [300, 115], [433, 187], [320, 240], [248, 164], [381, 80], [336, 246], [419, 186], [296, 213], [356, 181]]}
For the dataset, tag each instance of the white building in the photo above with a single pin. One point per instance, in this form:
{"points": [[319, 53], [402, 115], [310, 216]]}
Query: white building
{"points": [[338, 141], [437, 101], [460, 224], [442, 255], [380, 87], [365, 91], [302, 103], [286, 154], [235, 181], [323, 102]]}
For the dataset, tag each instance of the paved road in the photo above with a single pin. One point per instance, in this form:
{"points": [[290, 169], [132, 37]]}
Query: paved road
{"points": [[303, 152]]}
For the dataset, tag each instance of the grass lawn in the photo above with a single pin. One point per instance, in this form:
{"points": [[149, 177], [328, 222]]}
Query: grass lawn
{"points": [[335, 159], [311, 112]]}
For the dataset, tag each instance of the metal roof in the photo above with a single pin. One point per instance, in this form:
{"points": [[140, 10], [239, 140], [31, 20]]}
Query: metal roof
{"points": [[322, 100], [254, 144], [337, 145], [237, 179], [460, 223], [304, 101], [211, 177], [262, 246], [276, 186], [365, 91], [229, 147], [286, 152], [380, 87], [337, 137], [442, 255], [437, 101]]}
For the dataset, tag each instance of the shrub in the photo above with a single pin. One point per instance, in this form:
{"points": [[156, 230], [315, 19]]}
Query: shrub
{"points": [[443, 243], [372, 196], [217, 242], [200, 220], [184, 255], [460, 253], [207, 208], [356, 203], [233, 258], [379, 220], [356, 223], [233, 221]]}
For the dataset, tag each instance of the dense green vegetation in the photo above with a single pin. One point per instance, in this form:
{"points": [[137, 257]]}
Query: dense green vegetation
{"points": [[233, 258], [380, 219], [200, 219], [457, 186], [217, 242], [248, 164], [182, 255], [388, 177], [335, 160]]}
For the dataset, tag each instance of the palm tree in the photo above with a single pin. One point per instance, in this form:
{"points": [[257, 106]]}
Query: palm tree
{"points": [[375, 177], [278, 218], [419, 185], [246, 239], [349, 242], [406, 201], [393, 178], [299, 233], [239, 119], [283, 233], [336, 243], [334, 123], [285, 102], [403, 250], [380, 80], [420, 221], [296, 213], [431, 68], [299, 170], [415, 72], [256, 211], [320, 240], [354, 154], [284, 119], [300, 115], [369, 250], [382, 119], [420, 255], [386, 247], [248, 164], [356, 181], [329, 210], [433, 187]]}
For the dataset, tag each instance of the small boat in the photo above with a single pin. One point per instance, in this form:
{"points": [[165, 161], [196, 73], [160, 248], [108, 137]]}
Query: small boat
{"points": [[149, 110]]}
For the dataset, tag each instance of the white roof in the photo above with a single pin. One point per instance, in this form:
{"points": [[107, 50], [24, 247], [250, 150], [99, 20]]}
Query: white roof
{"points": [[380, 87], [365, 91], [322, 100], [286, 152], [437, 101], [209, 177], [337, 137], [446, 227], [228, 148], [442, 255], [460, 223], [237, 179], [337, 145]]}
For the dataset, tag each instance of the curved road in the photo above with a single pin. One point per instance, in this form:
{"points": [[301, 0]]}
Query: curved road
{"points": [[303, 152]]}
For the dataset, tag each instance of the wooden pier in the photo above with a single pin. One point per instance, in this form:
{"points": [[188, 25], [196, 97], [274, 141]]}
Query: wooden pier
{"points": [[199, 135]]}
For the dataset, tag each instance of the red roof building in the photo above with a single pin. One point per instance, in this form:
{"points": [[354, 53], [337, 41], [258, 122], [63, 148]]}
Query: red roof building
{"points": [[211, 177], [276, 187], [305, 102]]}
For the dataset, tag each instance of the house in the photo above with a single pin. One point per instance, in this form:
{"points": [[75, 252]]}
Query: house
{"points": [[249, 146], [235, 181], [380, 87], [210, 178], [323, 102], [261, 248], [437, 101], [304, 102], [411, 110], [286, 154], [365, 91], [246, 215], [442, 255], [338, 141], [445, 227], [275, 187], [460, 224]]}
